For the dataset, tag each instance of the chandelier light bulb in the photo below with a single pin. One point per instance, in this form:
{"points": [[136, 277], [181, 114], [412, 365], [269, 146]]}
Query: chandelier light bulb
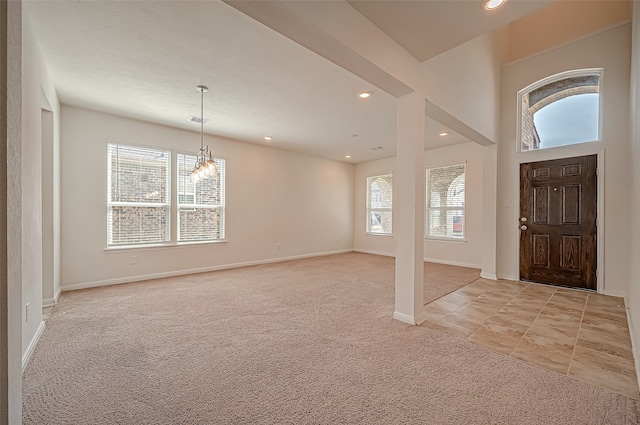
{"points": [[205, 166], [211, 165]]}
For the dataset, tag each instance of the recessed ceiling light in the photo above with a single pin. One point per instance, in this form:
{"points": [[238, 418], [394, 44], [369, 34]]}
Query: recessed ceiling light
{"points": [[444, 133], [364, 95], [267, 138], [493, 4], [347, 156]]}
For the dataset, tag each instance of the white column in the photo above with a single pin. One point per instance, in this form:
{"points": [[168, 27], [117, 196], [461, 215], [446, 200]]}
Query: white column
{"points": [[489, 213], [408, 200], [11, 212]]}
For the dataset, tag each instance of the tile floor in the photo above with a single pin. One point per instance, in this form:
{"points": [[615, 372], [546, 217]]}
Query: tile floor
{"points": [[580, 334]]}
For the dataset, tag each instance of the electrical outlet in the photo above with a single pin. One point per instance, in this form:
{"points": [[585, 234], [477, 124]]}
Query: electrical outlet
{"points": [[278, 246], [134, 259], [338, 241], [26, 312]]}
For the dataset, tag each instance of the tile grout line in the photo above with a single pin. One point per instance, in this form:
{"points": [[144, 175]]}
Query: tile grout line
{"points": [[575, 345], [534, 319], [467, 303], [485, 321], [546, 305], [521, 336]]}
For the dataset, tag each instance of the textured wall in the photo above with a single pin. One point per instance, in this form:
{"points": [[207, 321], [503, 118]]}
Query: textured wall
{"points": [[633, 296], [468, 252], [278, 203], [609, 50], [11, 353]]}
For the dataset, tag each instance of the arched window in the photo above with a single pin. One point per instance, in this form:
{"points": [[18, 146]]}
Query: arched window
{"points": [[560, 110], [380, 204], [445, 202]]}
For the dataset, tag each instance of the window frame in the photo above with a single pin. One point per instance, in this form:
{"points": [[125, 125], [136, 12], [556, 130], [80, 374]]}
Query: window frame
{"points": [[172, 206], [179, 205], [110, 204], [550, 79], [445, 209], [370, 210]]}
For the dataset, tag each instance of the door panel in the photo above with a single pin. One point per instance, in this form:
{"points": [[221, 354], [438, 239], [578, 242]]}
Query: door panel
{"points": [[558, 222]]}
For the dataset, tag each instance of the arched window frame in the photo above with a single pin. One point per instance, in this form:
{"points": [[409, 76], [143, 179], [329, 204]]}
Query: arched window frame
{"points": [[553, 98], [380, 203], [443, 209]]}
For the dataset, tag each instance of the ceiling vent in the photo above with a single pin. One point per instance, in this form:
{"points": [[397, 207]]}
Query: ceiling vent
{"points": [[377, 148], [199, 120]]}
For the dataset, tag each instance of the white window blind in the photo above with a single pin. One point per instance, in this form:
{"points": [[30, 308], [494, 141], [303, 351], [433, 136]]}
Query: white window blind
{"points": [[445, 202], [138, 196], [201, 204], [380, 204]]}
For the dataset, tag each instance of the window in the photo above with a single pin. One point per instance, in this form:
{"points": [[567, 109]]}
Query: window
{"points": [[138, 196], [139, 199], [379, 204], [445, 202], [201, 204], [561, 110]]}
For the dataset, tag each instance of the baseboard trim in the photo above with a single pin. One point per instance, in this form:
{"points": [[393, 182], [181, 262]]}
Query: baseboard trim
{"points": [[50, 302], [366, 251], [428, 260], [634, 346], [508, 277], [421, 317], [453, 263], [139, 278], [32, 346], [489, 276]]}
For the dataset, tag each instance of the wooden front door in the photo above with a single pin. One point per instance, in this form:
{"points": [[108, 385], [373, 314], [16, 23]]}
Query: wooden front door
{"points": [[558, 222]]}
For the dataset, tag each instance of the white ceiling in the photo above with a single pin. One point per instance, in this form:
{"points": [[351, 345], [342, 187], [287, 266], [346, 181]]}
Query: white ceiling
{"points": [[428, 28], [143, 59]]}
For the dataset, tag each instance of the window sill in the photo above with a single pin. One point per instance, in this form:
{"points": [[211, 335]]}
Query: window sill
{"points": [[388, 235], [464, 240], [128, 248]]}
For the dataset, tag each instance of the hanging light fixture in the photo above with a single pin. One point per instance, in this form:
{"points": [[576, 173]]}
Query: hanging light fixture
{"points": [[205, 166]]}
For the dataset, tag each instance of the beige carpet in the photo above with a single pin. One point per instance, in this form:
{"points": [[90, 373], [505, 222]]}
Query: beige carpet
{"points": [[301, 342]]}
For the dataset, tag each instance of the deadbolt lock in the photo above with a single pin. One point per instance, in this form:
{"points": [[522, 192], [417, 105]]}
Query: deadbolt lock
{"points": [[523, 219]]}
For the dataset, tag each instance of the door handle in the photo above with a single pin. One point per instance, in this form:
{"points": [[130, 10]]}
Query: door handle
{"points": [[523, 227]]}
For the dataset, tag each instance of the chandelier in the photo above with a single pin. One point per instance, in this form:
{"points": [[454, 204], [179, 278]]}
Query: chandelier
{"points": [[205, 166]]}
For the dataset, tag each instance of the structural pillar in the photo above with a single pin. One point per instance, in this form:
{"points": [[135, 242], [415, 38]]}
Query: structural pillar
{"points": [[10, 212], [489, 212], [409, 206]]}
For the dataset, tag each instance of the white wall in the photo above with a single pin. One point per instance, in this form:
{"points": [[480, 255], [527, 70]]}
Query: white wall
{"points": [[50, 173], [633, 295], [465, 81], [36, 85], [11, 247], [31, 188], [375, 244], [608, 50], [468, 253], [273, 197]]}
